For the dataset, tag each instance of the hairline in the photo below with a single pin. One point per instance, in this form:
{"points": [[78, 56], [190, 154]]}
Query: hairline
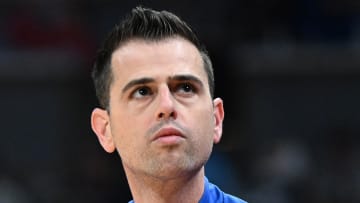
{"points": [[206, 62]]}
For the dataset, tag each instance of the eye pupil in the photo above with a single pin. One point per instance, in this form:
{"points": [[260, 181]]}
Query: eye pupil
{"points": [[187, 88], [143, 91]]}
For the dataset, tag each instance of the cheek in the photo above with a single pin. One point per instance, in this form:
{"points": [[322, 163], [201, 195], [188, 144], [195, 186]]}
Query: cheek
{"points": [[129, 131], [128, 143], [203, 123], [122, 131]]}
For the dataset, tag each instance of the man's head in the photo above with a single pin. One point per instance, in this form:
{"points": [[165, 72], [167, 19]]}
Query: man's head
{"points": [[160, 115], [148, 25]]}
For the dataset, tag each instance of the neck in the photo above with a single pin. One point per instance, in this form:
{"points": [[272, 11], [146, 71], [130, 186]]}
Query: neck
{"points": [[185, 189]]}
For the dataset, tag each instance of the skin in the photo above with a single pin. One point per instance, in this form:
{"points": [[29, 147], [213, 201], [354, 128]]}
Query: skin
{"points": [[162, 120]]}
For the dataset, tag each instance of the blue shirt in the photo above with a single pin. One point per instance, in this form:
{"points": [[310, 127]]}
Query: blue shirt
{"points": [[212, 194]]}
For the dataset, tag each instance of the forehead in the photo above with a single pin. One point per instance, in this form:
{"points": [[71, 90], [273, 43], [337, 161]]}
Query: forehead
{"points": [[172, 56]]}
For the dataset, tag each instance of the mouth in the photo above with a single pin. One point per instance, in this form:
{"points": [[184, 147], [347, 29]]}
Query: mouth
{"points": [[168, 136]]}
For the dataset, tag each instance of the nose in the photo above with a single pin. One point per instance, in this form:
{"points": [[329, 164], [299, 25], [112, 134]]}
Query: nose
{"points": [[166, 105]]}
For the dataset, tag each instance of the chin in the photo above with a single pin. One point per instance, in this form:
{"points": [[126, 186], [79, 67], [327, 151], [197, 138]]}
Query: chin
{"points": [[171, 170]]}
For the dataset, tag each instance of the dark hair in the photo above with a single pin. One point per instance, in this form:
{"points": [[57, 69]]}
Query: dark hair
{"points": [[146, 24]]}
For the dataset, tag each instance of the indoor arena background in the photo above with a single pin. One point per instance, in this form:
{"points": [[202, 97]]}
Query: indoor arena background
{"points": [[288, 71]]}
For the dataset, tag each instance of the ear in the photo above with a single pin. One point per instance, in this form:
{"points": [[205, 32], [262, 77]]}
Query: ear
{"points": [[100, 124], [219, 117]]}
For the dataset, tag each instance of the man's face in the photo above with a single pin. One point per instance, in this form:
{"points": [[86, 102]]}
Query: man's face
{"points": [[161, 119]]}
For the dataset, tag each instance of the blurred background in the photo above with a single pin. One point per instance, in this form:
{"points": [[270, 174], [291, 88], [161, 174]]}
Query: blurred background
{"points": [[288, 71]]}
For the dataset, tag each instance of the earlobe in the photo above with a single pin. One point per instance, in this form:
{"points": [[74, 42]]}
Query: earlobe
{"points": [[100, 124], [219, 117]]}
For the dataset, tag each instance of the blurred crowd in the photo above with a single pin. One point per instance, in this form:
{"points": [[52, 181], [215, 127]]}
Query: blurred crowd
{"points": [[288, 71]]}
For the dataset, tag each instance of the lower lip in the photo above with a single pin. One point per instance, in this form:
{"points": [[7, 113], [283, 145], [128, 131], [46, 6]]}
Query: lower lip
{"points": [[169, 140]]}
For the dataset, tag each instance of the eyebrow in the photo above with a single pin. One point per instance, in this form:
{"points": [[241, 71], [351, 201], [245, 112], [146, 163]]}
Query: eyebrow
{"points": [[146, 80], [140, 81], [187, 78]]}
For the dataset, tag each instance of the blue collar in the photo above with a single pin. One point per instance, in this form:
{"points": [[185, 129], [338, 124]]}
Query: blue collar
{"points": [[212, 194]]}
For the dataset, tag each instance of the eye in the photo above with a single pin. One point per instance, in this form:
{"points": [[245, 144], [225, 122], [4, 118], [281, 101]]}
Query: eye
{"points": [[141, 92], [186, 88]]}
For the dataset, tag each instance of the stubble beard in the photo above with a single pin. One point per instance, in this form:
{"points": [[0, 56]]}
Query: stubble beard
{"points": [[173, 162]]}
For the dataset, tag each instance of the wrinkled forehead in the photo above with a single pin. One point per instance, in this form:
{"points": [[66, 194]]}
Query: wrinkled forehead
{"points": [[139, 54]]}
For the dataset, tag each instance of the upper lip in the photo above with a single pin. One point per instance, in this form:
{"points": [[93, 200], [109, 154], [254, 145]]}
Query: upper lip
{"points": [[167, 131]]}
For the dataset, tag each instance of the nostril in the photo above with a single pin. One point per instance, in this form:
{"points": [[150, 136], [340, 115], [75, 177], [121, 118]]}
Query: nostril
{"points": [[163, 115], [172, 114]]}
